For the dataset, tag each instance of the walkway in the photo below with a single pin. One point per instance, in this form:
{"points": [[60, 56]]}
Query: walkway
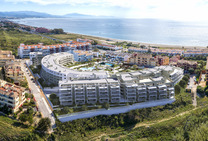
{"points": [[115, 110]]}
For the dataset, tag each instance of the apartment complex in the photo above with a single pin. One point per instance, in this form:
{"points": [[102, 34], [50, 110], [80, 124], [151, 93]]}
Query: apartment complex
{"points": [[186, 65], [171, 52], [118, 56], [108, 47], [168, 52], [54, 70], [11, 95], [147, 60], [13, 71], [82, 56], [146, 85], [24, 50], [6, 56], [89, 91], [35, 58]]}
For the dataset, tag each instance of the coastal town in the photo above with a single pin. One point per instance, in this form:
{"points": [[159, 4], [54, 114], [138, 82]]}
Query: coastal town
{"points": [[84, 77]]}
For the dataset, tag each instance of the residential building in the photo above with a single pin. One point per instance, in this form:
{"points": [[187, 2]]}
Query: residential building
{"points": [[13, 71], [186, 65], [53, 69], [162, 60], [145, 85], [6, 56], [108, 47], [24, 50], [118, 56], [11, 95], [141, 59], [140, 50], [84, 40], [82, 56], [147, 60], [35, 58], [42, 30]]}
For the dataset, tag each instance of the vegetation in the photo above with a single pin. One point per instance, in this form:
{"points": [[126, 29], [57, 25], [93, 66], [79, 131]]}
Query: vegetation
{"points": [[54, 99], [12, 130], [10, 39], [57, 31]]}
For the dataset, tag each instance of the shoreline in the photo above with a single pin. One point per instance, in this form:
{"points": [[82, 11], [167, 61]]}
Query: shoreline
{"points": [[112, 40]]}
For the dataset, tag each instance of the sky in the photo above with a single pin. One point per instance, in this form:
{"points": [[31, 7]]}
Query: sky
{"points": [[181, 10]]}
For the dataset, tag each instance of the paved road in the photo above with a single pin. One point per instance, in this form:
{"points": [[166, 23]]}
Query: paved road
{"points": [[193, 90], [43, 107]]}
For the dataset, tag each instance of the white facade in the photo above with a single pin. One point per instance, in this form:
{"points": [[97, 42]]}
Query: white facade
{"points": [[53, 69], [24, 50], [35, 58], [146, 85]]}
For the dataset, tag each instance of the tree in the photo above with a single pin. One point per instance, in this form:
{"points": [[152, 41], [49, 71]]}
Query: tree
{"points": [[43, 125], [200, 90], [197, 71], [191, 70], [66, 109], [106, 105], [186, 79], [177, 89], [23, 117], [182, 83], [30, 111], [84, 107], [206, 92]]}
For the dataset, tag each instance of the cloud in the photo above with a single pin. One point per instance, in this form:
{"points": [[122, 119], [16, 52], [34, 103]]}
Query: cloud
{"points": [[171, 9]]}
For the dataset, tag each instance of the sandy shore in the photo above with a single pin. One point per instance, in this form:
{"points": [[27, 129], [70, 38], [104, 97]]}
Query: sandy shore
{"points": [[110, 40]]}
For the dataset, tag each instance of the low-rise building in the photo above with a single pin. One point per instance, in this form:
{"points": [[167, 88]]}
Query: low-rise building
{"points": [[35, 58], [186, 64], [6, 56], [147, 60], [82, 56], [24, 50], [11, 95], [108, 47], [13, 71]]}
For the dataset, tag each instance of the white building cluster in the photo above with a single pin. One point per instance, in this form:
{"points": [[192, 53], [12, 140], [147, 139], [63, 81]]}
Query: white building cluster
{"points": [[24, 50], [91, 87]]}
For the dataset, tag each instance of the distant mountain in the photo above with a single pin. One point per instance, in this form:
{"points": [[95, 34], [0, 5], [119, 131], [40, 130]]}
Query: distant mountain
{"points": [[26, 14], [77, 15], [32, 14]]}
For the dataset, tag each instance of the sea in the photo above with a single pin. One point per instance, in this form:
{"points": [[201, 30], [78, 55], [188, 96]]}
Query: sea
{"points": [[154, 31]]}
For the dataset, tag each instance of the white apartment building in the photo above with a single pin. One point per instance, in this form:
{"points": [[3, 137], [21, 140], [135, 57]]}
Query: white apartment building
{"points": [[54, 70], [89, 91], [92, 87], [35, 58], [11, 95], [24, 50], [82, 56]]}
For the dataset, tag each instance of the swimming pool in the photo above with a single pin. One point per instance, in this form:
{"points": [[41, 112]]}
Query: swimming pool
{"points": [[108, 64]]}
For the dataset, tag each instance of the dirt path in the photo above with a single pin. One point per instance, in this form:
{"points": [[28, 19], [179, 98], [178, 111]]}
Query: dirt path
{"points": [[98, 138]]}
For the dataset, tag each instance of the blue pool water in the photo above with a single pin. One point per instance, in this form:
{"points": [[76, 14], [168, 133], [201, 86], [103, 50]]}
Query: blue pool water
{"points": [[111, 65], [108, 64]]}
